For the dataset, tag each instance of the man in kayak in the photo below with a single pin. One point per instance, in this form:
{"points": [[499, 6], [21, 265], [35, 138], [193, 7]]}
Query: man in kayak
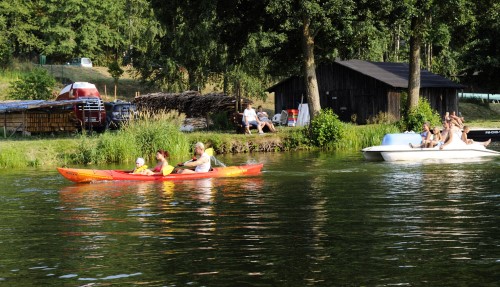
{"points": [[201, 164]]}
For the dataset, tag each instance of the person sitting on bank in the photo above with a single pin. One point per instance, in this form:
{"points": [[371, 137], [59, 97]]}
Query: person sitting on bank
{"points": [[201, 164], [162, 167], [140, 167], [250, 119], [471, 141], [264, 117]]}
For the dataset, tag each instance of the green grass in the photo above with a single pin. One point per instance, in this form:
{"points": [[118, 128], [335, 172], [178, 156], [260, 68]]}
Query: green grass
{"points": [[126, 88], [30, 153], [358, 137], [479, 116]]}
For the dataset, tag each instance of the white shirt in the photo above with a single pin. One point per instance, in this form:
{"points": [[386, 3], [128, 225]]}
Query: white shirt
{"points": [[249, 115], [204, 167]]}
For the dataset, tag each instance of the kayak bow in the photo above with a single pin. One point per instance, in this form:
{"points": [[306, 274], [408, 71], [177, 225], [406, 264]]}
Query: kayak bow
{"points": [[92, 175]]}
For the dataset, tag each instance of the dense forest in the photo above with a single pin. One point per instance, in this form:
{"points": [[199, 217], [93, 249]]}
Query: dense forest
{"points": [[244, 45]]}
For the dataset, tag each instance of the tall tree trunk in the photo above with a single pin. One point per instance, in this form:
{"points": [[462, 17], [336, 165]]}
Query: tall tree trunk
{"points": [[310, 69], [398, 38], [414, 75]]}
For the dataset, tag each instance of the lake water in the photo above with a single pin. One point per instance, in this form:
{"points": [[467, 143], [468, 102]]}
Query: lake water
{"points": [[310, 219]]}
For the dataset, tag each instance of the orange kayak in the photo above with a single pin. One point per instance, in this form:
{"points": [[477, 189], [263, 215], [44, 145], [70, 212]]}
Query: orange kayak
{"points": [[92, 175]]}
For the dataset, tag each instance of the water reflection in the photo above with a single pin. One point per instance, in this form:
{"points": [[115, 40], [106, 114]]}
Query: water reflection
{"points": [[310, 219]]}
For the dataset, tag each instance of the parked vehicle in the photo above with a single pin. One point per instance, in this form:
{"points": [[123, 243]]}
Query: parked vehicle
{"points": [[118, 113], [90, 113], [80, 62]]}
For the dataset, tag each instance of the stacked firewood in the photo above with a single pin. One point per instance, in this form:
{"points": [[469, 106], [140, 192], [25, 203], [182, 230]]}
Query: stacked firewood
{"points": [[191, 103], [39, 121]]}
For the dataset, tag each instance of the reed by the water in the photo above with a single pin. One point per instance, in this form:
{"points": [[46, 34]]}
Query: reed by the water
{"points": [[137, 138], [143, 137]]}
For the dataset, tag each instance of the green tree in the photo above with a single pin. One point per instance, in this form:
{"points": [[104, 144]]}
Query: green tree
{"points": [[35, 85], [116, 72], [99, 29], [21, 26], [5, 47], [305, 21], [481, 53], [183, 57]]}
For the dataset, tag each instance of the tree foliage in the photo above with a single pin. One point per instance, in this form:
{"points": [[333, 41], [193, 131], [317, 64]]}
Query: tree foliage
{"points": [[415, 117], [99, 29], [243, 46], [34, 85]]}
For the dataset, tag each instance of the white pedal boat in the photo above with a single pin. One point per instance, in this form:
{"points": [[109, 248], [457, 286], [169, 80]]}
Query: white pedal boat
{"points": [[396, 147]]}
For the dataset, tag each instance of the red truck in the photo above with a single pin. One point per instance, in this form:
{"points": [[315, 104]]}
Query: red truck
{"points": [[90, 113]]}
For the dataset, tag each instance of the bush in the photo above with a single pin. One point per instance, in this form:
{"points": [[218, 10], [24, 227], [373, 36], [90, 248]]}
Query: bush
{"points": [[416, 117], [382, 118], [221, 121], [35, 85], [326, 128]]}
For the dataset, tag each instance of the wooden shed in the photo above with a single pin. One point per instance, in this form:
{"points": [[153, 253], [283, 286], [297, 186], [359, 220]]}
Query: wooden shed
{"points": [[361, 89], [38, 116]]}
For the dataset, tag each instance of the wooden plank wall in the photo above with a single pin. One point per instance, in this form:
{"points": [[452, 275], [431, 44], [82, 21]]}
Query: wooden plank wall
{"points": [[35, 121]]}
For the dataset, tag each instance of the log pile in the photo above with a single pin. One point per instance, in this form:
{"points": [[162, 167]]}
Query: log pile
{"points": [[191, 103], [39, 122], [191, 124]]}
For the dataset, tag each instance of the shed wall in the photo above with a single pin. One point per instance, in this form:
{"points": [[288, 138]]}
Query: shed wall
{"points": [[353, 95]]}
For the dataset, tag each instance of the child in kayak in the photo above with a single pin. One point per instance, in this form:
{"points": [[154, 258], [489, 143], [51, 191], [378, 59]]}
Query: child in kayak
{"points": [[140, 167]]}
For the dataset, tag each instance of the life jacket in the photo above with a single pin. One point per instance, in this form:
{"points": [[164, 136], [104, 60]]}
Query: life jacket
{"points": [[140, 169]]}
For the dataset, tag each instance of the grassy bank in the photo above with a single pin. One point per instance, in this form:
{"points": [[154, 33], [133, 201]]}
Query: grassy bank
{"points": [[32, 153], [142, 138], [481, 116]]}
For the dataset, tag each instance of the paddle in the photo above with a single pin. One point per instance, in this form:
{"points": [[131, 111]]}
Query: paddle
{"points": [[210, 152], [167, 170]]}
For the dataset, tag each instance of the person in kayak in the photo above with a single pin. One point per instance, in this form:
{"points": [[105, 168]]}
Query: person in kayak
{"points": [[139, 166], [162, 167], [202, 162]]}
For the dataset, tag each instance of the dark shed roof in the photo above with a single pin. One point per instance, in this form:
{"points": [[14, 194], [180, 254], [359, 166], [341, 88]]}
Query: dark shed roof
{"points": [[392, 74], [14, 106], [396, 74]]}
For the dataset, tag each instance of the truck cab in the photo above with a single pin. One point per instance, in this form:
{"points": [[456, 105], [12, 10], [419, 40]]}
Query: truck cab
{"points": [[118, 113], [90, 111]]}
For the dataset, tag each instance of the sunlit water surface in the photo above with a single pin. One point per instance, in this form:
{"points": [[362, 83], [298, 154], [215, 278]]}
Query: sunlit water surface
{"points": [[310, 219]]}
